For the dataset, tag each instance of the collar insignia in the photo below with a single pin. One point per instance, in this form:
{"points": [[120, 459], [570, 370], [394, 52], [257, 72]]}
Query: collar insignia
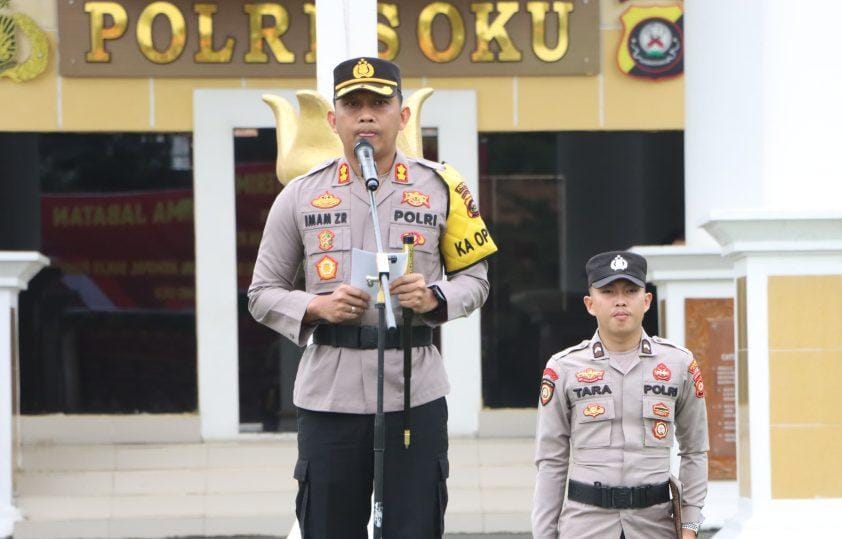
{"points": [[598, 351], [401, 173], [344, 174]]}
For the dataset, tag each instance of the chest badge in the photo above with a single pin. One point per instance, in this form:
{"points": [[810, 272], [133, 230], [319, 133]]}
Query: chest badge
{"points": [[326, 201], [547, 391], [401, 173], [662, 372], [660, 430], [590, 375], [661, 409], [344, 174], [593, 410], [326, 267], [419, 237], [416, 199], [326, 238]]}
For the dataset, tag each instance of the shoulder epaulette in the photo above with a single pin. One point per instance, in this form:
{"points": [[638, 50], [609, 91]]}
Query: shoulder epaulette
{"points": [[567, 351], [427, 163], [671, 344], [321, 166]]}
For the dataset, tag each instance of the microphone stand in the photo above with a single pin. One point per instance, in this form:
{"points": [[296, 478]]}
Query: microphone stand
{"points": [[383, 300]]}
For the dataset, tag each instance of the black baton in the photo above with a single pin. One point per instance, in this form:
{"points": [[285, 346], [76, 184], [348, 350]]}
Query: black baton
{"points": [[409, 249]]}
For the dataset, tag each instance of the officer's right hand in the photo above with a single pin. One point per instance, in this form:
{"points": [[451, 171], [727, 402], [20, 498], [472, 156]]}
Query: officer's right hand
{"points": [[343, 304]]}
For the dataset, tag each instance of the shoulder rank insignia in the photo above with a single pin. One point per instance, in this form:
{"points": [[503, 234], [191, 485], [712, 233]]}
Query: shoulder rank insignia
{"points": [[326, 201], [593, 410], [419, 237], [344, 174], [662, 372], [326, 240], [660, 430], [416, 199], [590, 375], [326, 267], [547, 390], [401, 173]]}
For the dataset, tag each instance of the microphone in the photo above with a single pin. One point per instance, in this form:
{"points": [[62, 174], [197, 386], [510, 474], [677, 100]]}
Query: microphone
{"points": [[365, 155]]}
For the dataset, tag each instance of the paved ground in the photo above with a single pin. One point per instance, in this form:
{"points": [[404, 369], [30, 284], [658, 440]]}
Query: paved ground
{"points": [[702, 535]]}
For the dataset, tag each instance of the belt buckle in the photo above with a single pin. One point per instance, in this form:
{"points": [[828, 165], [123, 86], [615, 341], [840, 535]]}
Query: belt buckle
{"points": [[621, 497], [368, 337]]}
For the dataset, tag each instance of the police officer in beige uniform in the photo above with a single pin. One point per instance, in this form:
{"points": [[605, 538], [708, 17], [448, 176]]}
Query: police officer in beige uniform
{"points": [[610, 408], [313, 225]]}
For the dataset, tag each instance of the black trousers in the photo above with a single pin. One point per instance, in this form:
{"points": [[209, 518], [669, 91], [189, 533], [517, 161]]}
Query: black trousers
{"points": [[335, 473]]}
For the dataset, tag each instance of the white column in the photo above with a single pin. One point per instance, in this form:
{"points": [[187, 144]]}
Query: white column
{"points": [[344, 29], [16, 269]]}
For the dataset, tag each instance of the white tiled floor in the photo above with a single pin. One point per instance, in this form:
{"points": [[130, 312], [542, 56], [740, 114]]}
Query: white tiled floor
{"points": [[160, 490], [242, 488]]}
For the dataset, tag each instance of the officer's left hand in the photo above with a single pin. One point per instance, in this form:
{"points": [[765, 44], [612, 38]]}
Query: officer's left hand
{"points": [[412, 292], [688, 534]]}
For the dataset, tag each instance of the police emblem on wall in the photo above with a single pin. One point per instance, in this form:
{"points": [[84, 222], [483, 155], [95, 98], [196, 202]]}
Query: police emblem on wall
{"points": [[652, 45], [13, 26]]}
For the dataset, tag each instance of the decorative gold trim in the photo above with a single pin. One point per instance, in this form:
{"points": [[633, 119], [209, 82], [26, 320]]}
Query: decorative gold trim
{"points": [[37, 61], [360, 81]]}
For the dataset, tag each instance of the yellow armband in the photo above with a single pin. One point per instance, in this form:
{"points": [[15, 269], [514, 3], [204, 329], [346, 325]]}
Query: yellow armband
{"points": [[466, 240]]}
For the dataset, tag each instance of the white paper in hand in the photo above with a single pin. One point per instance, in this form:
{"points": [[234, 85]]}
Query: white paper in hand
{"points": [[364, 264]]}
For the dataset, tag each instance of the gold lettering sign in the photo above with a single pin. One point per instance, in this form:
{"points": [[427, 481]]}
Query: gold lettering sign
{"points": [[425, 32], [177, 27], [206, 51], [246, 38]]}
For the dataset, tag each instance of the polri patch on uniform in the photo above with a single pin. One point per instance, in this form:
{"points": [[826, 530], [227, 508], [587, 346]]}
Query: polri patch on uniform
{"points": [[593, 410], [416, 199], [419, 238], [326, 238], [598, 350], [401, 173], [326, 201], [590, 375], [699, 386], [660, 430], [662, 372], [661, 409], [547, 391], [327, 267], [551, 374], [344, 174], [693, 367]]}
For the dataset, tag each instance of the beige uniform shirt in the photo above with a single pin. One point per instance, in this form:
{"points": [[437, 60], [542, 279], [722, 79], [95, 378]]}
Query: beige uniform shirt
{"points": [[597, 424], [313, 225]]}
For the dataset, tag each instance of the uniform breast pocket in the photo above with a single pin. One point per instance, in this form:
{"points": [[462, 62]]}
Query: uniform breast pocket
{"points": [[658, 422], [426, 251], [592, 423], [328, 253]]}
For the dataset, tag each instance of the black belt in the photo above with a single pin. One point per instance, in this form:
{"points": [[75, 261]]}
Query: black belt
{"points": [[618, 497], [365, 337]]}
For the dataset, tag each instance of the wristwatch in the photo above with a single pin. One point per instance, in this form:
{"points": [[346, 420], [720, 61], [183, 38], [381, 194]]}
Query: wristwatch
{"points": [[693, 526], [442, 306]]}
